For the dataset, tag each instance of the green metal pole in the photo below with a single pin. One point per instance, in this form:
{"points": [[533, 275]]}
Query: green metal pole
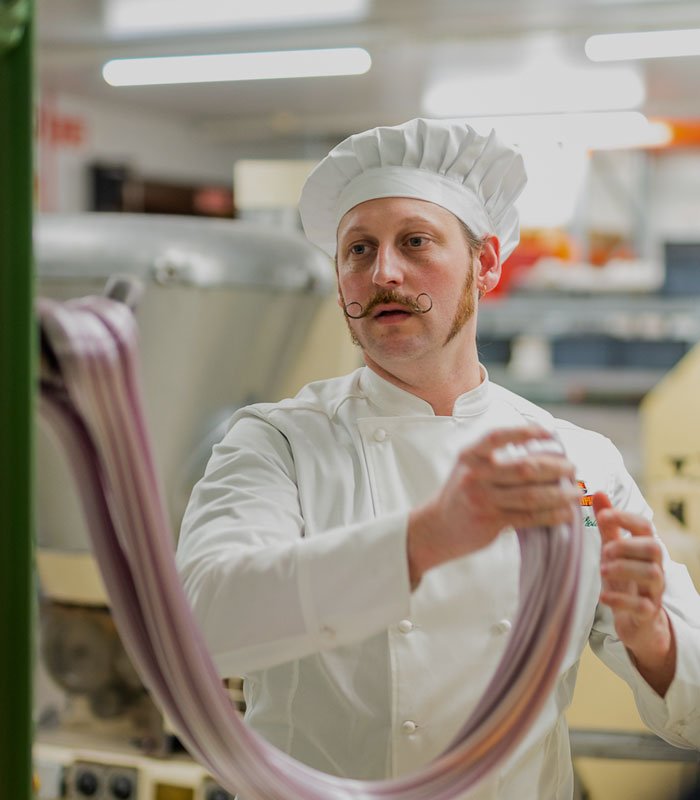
{"points": [[17, 376]]}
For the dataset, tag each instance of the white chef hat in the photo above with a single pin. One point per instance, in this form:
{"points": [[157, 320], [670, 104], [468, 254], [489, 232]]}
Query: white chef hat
{"points": [[446, 162]]}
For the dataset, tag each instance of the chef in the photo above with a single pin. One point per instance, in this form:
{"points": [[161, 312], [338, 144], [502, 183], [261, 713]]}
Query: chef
{"points": [[351, 551]]}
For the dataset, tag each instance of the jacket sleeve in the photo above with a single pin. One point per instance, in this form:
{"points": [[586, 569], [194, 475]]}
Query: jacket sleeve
{"points": [[676, 717], [262, 593]]}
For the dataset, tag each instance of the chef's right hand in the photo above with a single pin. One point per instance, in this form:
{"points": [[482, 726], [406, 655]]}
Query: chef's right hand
{"points": [[488, 490]]}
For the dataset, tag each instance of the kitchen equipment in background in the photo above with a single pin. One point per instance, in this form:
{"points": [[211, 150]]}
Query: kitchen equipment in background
{"points": [[68, 769], [225, 310], [671, 446], [682, 273]]}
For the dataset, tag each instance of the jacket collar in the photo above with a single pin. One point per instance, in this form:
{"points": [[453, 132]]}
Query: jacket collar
{"points": [[391, 400]]}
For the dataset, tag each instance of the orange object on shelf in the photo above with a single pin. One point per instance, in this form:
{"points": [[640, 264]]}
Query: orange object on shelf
{"points": [[535, 243]]}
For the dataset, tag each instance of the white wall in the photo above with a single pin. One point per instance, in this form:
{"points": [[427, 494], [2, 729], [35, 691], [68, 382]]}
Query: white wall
{"points": [[664, 184], [675, 200], [614, 182], [154, 145]]}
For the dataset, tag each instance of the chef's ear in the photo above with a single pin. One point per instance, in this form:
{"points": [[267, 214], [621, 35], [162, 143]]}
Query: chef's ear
{"points": [[489, 264]]}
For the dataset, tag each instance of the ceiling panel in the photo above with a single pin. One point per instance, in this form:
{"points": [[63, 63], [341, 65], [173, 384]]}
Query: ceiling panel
{"points": [[409, 40]]}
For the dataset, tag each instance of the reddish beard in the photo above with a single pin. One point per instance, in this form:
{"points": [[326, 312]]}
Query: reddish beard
{"points": [[465, 309]]}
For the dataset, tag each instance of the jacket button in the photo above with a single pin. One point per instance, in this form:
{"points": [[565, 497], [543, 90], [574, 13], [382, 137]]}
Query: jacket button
{"points": [[503, 626], [409, 727], [379, 435], [405, 626]]}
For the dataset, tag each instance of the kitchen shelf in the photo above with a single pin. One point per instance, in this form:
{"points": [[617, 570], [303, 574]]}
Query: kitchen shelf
{"points": [[621, 335], [553, 314], [591, 386]]}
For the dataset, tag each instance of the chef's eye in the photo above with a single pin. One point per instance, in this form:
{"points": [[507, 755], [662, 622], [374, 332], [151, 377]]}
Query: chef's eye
{"points": [[415, 241], [358, 249]]}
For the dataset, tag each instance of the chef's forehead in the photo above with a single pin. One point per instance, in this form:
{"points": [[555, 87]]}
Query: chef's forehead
{"points": [[402, 212], [397, 207]]}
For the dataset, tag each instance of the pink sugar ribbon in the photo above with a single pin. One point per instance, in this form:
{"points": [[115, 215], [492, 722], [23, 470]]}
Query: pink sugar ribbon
{"points": [[90, 396]]}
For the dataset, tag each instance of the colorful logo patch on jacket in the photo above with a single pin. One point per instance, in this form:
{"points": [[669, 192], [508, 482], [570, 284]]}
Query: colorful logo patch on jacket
{"points": [[585, 499]]}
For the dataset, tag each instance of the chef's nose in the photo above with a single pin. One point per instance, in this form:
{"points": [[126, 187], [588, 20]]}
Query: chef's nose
{"points": [[387, 268]]}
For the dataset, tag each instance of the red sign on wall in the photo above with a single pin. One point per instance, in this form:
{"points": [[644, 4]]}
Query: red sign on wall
{"points": [[61, 129]]}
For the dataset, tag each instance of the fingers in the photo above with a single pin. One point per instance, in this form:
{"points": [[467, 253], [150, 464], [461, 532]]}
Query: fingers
{"points": [[647, 576], [502, 437], [643, 609], [502, 459], [631, 566], [534, 469], [509, 480], [610, 518], [538, 518], [600, 502], [612, 522], [524, 505], [640, 549], [536, 497], [608, 527]]}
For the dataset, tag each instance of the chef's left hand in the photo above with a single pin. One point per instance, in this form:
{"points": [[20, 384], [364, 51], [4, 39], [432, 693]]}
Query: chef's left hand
{"points": [[633, 582]]}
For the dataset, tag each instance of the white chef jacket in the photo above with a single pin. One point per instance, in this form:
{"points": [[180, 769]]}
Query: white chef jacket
{"points": [[293, 553]]}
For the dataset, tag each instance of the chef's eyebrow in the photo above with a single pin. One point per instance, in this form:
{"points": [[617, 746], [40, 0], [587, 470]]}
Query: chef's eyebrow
{"points": [[406, 222]]}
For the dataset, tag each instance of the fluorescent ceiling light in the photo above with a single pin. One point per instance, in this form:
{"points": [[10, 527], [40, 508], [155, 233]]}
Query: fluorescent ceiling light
{"points": [[650, 44], [139, 17], [538, 88], [599, 131], [236, 67]]}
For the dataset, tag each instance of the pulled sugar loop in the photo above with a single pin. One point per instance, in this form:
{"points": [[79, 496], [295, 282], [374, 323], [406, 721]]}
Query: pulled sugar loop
{"points": [[92, 399]]}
